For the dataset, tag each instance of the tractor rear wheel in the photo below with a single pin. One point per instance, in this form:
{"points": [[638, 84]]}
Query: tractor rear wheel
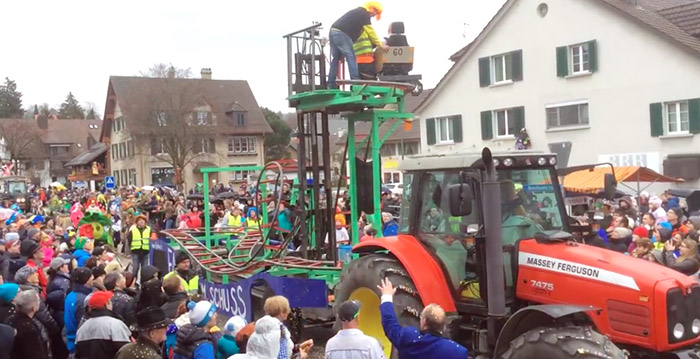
{"points": [[359, 281], [563, 342]]}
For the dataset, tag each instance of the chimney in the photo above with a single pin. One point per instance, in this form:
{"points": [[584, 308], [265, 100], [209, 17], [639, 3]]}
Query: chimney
{"points": [[206, 73], [171, 72], [42, 122]]}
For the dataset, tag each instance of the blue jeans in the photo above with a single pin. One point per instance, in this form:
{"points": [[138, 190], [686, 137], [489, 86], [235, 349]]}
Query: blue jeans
{"points": [[139, 259], [341, 47]]}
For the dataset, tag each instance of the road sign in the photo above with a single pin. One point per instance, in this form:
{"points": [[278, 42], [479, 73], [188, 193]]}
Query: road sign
{"points": [[109, 182]]}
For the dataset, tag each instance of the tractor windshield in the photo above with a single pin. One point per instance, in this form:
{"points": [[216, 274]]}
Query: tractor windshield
{"points": [[529, 203], [16, 187]]}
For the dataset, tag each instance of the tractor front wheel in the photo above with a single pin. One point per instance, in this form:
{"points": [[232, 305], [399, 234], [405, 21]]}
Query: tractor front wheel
{"points": [[563, 342], [359, 281]]}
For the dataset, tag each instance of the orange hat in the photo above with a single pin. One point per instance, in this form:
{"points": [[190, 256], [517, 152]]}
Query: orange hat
{"points": [[374, 5], [100, 299]]}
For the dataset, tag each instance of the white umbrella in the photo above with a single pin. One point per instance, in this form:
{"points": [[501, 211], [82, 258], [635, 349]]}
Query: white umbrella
{"points": [[148, 188]]}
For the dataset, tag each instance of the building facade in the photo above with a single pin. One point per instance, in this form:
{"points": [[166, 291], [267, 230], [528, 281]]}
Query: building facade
{"points": [[595, 81], [221, 125]]}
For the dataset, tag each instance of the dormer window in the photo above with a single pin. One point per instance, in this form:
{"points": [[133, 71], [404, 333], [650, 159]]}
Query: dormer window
{"points": [[203, 118], [237, 114], [240, 118], [161, 118]]}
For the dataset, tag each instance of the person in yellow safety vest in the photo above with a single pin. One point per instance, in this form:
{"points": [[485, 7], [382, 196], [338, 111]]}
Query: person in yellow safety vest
{"points": [[251, 222], [367, 64], [188, 276], [139, 236], [234, 219]]}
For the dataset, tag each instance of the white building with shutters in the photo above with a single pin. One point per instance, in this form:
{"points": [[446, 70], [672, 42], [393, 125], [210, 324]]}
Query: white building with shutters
{"points": [[602, 80]]}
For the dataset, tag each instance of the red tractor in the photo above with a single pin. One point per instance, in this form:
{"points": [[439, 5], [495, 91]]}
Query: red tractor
{"points": [[487, 238]]}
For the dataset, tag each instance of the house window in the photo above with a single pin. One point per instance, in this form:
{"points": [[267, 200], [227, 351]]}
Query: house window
{"points": [[240, 176], [119, 124], [125, 177], [161, 118], [388, 150], [677, 119], [205, 145], [444, 130], [122, 150], [115, 174], [504, 123], [392, 177], [570, 114], [130, 150], [409, 148], [238, 144], [58, 150], [162, 175], [114, 151], [132, 176], [157, 146], [502, 66], [203, 118], [240, 119], [580, 60]]}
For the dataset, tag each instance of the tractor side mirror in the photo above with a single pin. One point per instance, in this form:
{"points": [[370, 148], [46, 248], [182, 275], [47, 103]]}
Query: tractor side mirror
{"points": [[461, 199], [610, 186]]}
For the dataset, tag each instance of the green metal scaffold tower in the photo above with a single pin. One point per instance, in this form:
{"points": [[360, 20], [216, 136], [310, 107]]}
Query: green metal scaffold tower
{"points": [[375, 102]]}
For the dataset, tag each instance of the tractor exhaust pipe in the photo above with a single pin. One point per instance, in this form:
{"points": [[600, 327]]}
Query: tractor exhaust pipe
{"points": [[491, 190]]}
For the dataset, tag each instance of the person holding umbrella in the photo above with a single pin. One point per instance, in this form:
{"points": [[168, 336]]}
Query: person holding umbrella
{"points": [[151, 324]]}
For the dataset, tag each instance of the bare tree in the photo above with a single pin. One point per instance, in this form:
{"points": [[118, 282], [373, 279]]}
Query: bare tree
{"points": [[168, 127], [22, 141], [163, 70]]}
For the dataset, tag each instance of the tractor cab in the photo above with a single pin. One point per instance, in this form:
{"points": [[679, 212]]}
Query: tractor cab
{"points": [[443, 204], [14, 188]]}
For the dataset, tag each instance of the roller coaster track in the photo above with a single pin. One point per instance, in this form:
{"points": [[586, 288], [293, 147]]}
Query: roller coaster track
{"points": [[239, 260]]}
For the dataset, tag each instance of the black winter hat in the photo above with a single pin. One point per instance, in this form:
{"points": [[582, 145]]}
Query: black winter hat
{"points": [[181, 257], [28, 247], [81, 275]]}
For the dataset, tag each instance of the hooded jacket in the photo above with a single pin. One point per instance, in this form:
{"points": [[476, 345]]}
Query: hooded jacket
{"points": [[74, 310], [81, 256], [264, 342], [193, 343], [56, 295], [101, 336]]}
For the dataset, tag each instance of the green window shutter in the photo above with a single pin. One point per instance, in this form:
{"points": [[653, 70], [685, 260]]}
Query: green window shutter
{"points": [[694, 115], [456, 128], [562, 61], [430, 128], [518, 65], [484, 71], [486, 126], [519, 118], [656, 111], [593, 56]]}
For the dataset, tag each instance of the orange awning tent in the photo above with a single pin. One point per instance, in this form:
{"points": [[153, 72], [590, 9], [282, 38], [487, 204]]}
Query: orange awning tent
{"points": [[592, 181]]}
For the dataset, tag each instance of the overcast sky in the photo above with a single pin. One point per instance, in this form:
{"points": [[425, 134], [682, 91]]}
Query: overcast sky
{"points": [[53, 47]]}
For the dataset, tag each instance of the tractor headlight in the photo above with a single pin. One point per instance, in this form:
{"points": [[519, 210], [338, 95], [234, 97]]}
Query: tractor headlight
{"points": [[695, 327], [553, 161], [678, 330], [496, 162], [541, 161], [508, 162]]}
